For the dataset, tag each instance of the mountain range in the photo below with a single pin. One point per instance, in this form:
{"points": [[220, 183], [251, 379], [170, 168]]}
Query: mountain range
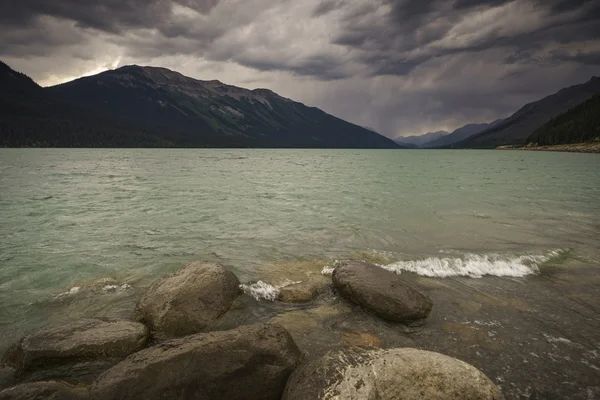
{"points": [[518, 129], [515, 129], [155, 107], [135, 106], [443, 139], [421, 140], [459, 134]]}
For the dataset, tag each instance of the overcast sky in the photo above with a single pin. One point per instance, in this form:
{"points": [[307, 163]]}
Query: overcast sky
{"points": [[401, 67]]}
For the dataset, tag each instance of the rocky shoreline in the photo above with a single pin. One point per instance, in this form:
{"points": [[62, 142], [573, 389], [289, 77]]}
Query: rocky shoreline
{"points": [[568, 148], [364, 333], [170, 350]]}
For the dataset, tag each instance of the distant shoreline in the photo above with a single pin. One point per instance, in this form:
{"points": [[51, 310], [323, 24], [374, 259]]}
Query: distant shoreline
{"points": [[568, 148]]}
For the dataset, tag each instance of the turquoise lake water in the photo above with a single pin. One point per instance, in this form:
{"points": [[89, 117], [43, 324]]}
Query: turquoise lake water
{"points": [[83, 231]]}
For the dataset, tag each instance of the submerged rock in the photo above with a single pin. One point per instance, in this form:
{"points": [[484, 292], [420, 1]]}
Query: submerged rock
{"points": [[395, 374], [302, 292], [7, 377], [360, 339], [381, 291], [87, 339], [188, 301], [44, 391], [249, 362]]}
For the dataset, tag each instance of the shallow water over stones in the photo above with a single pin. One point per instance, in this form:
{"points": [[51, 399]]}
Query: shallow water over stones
{"points": [[532, 336]]}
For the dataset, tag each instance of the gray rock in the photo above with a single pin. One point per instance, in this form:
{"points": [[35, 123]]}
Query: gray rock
{"points": [[7, 377], [85, 339], [249, 362], [395, 374], [188, 301], [79, 372], [44, 391], [303, 292], [382, 292]]}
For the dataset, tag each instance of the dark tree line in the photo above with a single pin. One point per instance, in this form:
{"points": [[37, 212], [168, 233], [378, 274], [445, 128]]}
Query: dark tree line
{"points": [[578, 125]]}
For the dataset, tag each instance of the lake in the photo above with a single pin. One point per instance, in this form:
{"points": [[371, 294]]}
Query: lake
{"points": [[84, 231]]}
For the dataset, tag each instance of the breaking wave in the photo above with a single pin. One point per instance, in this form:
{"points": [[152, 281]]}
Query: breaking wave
{"points": [[469, 265], [104, 285], [264, 291], [261, 290], [70, 292], [475, 266], [329, 268], [116, 288]]}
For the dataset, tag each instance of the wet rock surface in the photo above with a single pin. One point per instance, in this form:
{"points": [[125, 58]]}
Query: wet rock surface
{"points": [[382, 292], [93, 340], [188, 301], [395, 374], [44, 391], [7, 377], [76, 373], [303, 292], [250, 362], [535, 337]]}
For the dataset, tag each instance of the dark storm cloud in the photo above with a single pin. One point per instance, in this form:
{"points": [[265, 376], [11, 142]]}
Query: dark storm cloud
{"points": [[107, 15], [322, 66], [327, 6], [390, 64], [568, 5], [383, 65], [414, 25], [42, 27], [591, 58], [408, 35]]}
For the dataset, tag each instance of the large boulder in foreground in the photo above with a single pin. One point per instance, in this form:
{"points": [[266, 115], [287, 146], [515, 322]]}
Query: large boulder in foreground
{"points": [[44, 391], [86, 339], [188, 301], [395, 374], [249, 362], [381, 291], [304, 291]]}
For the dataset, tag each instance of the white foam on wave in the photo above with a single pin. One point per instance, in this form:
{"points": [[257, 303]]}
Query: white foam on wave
{"points": [[264, 291], [329, 268], [260, 290], [70, 292], [108, 288], [116, 288], [475, 265]]}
